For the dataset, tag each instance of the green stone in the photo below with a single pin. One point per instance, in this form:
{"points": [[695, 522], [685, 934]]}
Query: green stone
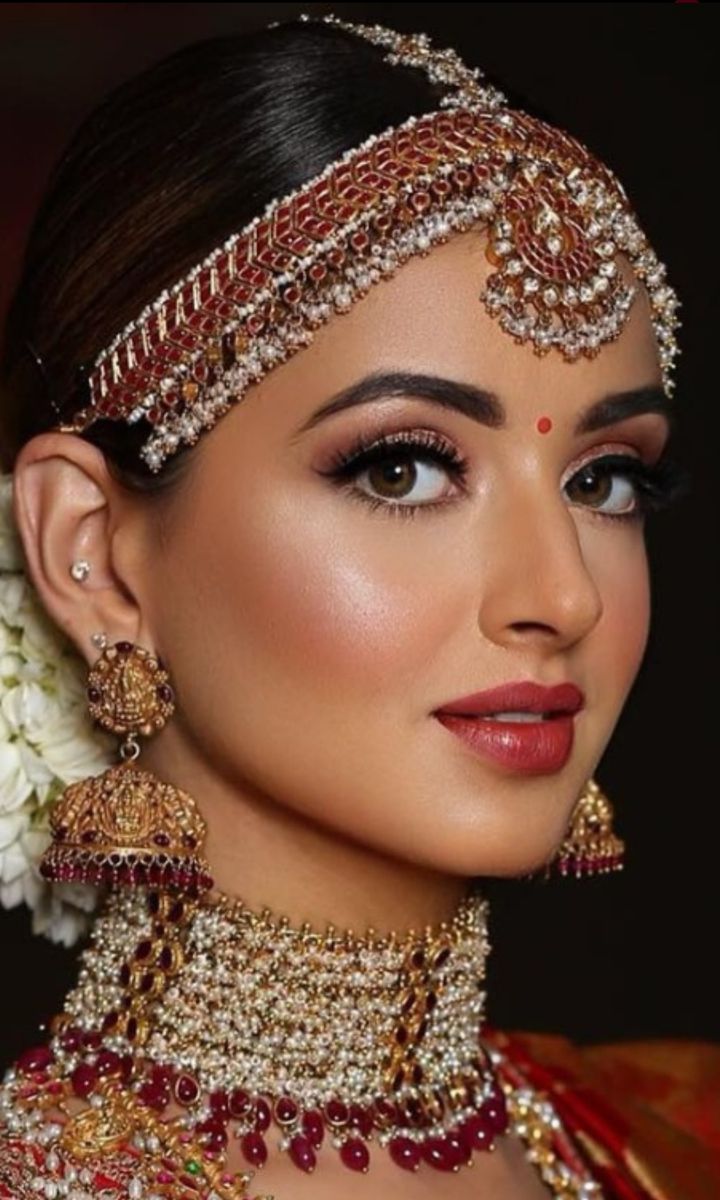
{"points": [[192, 1166]]}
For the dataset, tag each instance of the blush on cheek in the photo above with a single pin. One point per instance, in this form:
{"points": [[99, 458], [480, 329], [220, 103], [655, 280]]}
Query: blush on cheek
{"points": [[626, 625], [325, 599]]}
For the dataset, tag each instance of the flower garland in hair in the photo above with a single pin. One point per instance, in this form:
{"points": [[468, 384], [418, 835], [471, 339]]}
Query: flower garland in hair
{"points": [[47, 740]]}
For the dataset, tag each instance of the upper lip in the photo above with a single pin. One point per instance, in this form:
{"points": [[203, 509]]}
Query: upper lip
{"points": [[521, 696]]}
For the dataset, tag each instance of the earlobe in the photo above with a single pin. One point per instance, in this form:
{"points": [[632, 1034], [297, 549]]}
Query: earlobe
{"points": [[63, 508]]}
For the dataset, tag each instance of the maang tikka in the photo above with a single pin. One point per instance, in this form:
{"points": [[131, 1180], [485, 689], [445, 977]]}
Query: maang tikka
{"points": [[126, 826]]}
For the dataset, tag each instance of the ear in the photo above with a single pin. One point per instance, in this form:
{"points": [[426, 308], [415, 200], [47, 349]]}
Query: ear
{"points": [[67, 506]]}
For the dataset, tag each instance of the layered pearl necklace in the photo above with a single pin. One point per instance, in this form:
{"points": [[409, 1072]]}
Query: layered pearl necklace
{"points": [[202, 1031]]}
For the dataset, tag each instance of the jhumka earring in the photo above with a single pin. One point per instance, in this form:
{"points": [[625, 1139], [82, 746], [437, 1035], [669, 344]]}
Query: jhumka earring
{"points": [[126, 826], [590, 845]]}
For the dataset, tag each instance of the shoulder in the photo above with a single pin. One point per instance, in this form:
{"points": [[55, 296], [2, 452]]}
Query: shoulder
{"points": [[654, 1105]]}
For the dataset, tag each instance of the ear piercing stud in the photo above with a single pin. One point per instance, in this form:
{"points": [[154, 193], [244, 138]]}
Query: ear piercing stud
{"points": [[80, 569], [100, 640]]}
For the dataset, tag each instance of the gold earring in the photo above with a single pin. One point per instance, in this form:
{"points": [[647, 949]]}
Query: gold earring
{"points": [[590, 845], [126, 825]]}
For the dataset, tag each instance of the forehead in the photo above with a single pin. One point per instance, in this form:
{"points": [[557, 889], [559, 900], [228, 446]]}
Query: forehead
{"points": [[429, 318]]}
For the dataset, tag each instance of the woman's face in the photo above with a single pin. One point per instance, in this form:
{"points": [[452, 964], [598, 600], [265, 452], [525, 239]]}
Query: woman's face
{"points": [[312, 626]]}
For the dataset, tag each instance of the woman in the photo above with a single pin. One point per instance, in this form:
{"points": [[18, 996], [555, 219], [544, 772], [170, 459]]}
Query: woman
{"points": [[340, 719]]}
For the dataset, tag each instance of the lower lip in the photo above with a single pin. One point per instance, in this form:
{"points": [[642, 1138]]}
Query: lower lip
{"points": [[524, 746]]}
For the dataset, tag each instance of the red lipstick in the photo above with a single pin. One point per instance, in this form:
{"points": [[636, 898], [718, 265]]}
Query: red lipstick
{"points": [[532, 746]]}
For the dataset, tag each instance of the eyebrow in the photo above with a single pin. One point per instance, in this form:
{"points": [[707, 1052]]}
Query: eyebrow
{"points": [[484, 406]]}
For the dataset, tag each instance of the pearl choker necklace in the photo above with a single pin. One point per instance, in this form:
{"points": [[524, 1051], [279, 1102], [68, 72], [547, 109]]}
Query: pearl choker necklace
{"points": [[244, 1020], [201, 1031]]}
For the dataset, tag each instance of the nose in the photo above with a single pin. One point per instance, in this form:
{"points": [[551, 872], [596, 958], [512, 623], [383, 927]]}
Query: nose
{"points": [[537, 584]]}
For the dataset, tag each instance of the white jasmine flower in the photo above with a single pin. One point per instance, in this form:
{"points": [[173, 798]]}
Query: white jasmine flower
{"points": [[47, 740]]}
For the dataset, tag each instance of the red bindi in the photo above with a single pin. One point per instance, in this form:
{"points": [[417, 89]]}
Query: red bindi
{"points": [[544, 425]]}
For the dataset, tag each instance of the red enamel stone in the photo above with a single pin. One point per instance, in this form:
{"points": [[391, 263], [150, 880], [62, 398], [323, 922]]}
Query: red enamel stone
{"points": [[285, 1110], [313, 1127], [405, 1153], [254, 1148], [107, 1062], [361, 1119], [302, 1153], [214, 1135], [336, 1112], [355, 1155], [154, 1095], [238, 1102], [37, 1058], [186, 1089], [71, 1039], [83, 1080]]}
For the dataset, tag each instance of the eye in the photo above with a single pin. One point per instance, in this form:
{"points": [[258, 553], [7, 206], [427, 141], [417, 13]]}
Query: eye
{"points": [[621, 487], [388, 468], [616, 487], [605, 482]]}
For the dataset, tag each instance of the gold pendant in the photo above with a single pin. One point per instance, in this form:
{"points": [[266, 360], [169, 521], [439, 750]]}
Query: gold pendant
{"points": [[98, 1131]]}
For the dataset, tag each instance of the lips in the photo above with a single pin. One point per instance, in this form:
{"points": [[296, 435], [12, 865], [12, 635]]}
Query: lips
{"points": [[520, 696], [534, 746]]}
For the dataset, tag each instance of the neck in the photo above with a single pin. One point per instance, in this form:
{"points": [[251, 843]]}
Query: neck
{"points": [[271, 855]]}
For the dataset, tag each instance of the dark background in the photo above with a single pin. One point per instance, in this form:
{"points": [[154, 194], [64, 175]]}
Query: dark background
{"points": [[621, 956]]}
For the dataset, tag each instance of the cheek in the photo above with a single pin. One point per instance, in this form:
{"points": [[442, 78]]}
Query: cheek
{"points": [[626, 614], [326, 596]]}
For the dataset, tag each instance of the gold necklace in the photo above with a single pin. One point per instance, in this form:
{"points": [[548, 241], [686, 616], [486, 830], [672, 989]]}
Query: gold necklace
{"points": [[194, 1022]]}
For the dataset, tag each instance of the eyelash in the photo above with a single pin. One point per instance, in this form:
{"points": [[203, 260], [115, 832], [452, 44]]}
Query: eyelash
{"points": [[656, 486]]}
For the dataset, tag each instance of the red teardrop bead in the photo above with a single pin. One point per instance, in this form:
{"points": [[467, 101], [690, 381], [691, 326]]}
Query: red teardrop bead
{"points": [[313, 1127], [437, 1152], [302, 1153], [37, 1058], [71, 1039], [254, 1148], [214, 1136], [476, 1133], [362, 1119], [355, 1155], [458, 1149], [262, 1115], [405, 1153], [494, 1112], [83, 1080]]}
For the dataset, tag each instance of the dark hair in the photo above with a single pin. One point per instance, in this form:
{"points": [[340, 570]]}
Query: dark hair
{"points": [[167, 166]]}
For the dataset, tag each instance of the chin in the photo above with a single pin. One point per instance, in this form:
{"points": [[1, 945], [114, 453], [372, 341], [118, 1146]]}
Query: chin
{"points": [[474, 856]]}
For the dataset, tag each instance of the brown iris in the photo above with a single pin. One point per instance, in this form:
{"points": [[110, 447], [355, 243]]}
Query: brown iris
{"points": [[591, 484], [398, 476]]}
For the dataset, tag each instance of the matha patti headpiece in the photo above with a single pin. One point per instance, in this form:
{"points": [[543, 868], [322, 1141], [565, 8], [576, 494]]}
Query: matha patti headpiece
{"points": [[556, 218]]}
